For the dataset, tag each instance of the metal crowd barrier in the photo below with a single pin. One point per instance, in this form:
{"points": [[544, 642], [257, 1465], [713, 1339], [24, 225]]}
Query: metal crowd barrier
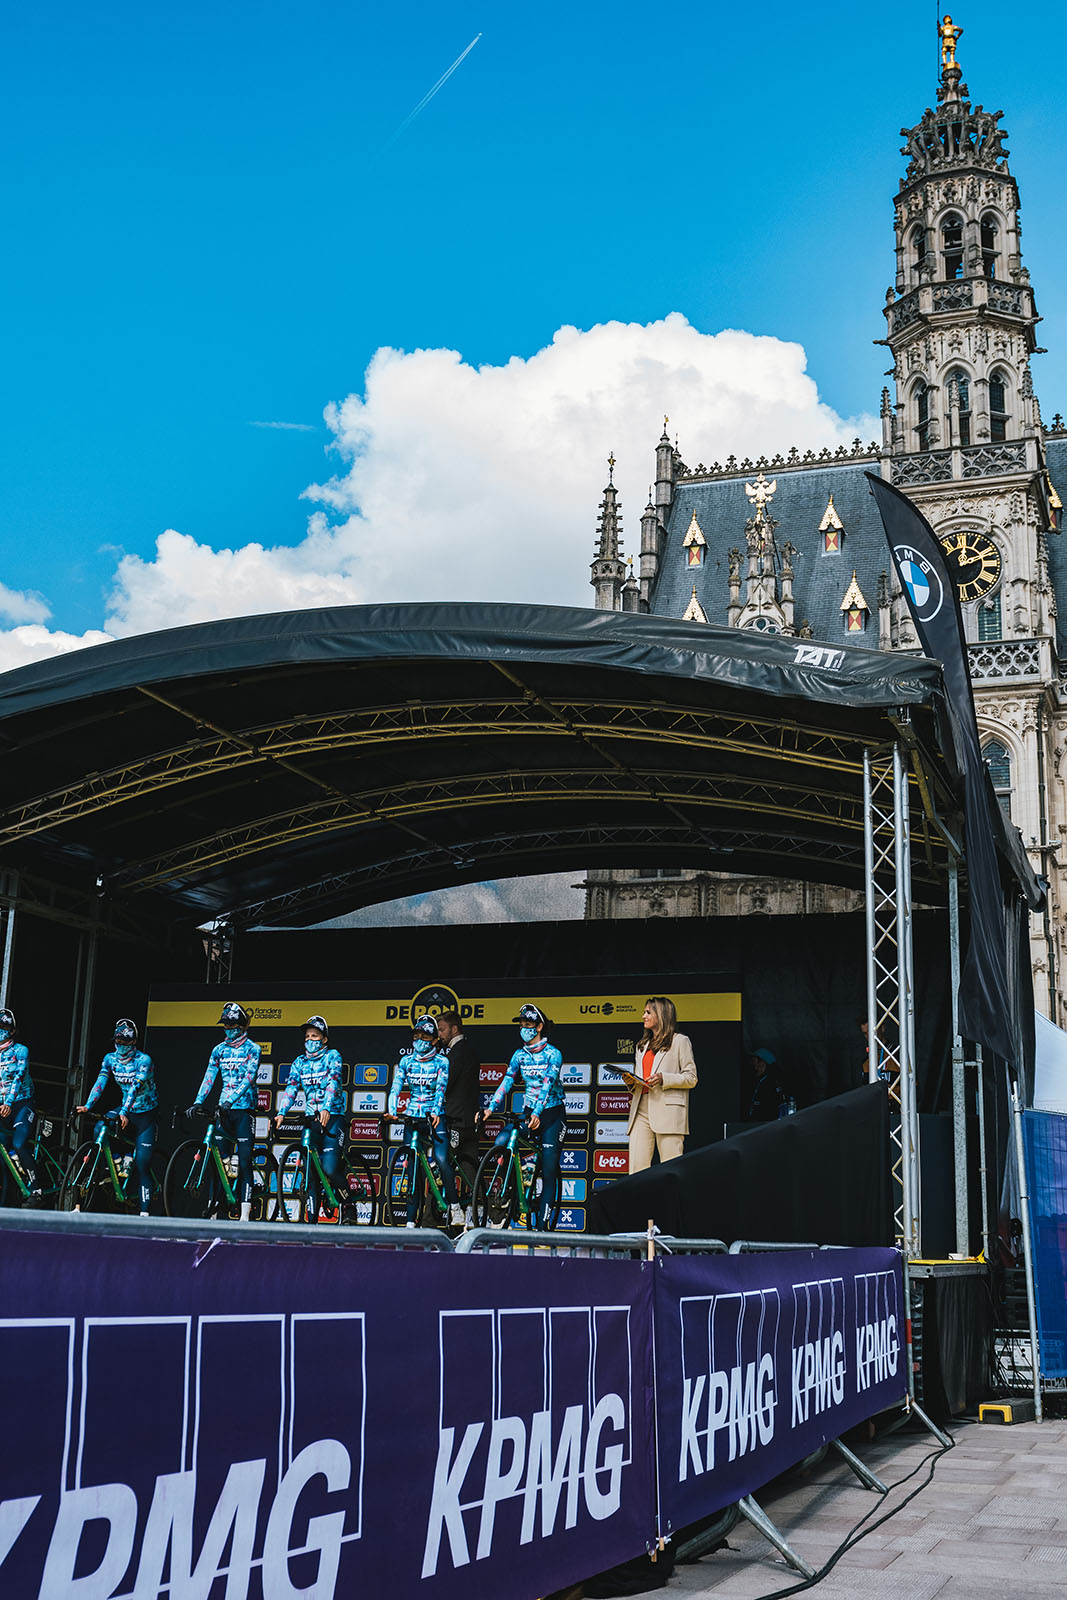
{"points": [[336, 1234], [523, 1241]]}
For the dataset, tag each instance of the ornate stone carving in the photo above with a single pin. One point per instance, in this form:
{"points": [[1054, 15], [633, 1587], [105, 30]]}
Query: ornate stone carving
{"points": [[923, 468], [1004, 658], [982, 459]]}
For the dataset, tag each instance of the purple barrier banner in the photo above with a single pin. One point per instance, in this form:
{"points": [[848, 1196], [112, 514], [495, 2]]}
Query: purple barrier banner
{"points": [[762, 1358], [246, 1422]]}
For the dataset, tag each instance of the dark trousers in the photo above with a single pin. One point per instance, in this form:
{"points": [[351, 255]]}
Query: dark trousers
{"points": [[463, 1144], [15, 1130], [236, 1129]]}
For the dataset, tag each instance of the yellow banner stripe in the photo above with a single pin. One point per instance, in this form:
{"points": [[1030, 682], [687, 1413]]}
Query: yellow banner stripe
{"points": [[622, 1010]]}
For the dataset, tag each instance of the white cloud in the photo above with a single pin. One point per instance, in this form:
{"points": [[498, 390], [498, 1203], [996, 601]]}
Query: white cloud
{"points": [[23, 605], [20, 646], [550, 897], [462, 482], [287, 427]]}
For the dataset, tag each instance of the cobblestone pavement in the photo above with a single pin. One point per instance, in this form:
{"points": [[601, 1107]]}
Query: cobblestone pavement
{"points": [[993, 1522]]}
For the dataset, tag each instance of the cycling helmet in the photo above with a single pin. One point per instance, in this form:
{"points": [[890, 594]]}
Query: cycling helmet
{"points": [[7, 1021], [234, 1016], [125, 1031], [426, 1025], [317, 1022], [531, 1016]]}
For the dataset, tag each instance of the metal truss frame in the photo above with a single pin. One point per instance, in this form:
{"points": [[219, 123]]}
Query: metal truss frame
{"points": [[891, 974]]}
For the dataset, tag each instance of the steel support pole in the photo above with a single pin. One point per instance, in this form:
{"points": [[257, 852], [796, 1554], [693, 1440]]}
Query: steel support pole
{"points": [[762, 1523], [69, 1098], [871, 923], [959, 1071], [983, 1175], [869, 1479], [909, 1129], [1028, 1256], [11, 887]]}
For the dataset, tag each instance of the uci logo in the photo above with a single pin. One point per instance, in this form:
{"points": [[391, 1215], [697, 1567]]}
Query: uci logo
{"points": [[920, 578]]}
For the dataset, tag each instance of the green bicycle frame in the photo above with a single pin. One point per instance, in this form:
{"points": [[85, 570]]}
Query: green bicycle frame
{"points": [[516, 1162], [423, 1161], [310, 1150], [210, 1144], [41, 1153], [103, 1148]]}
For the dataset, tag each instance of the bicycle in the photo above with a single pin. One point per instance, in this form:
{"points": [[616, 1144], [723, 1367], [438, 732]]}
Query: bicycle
{"points": [[14, 1176], [412, 1170], [306, 1194], [199, 1180], [509, 1184], [97, 1180]]}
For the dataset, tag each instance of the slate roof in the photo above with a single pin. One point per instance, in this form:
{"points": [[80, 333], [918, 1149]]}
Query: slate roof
{"points": [[820, 581]]}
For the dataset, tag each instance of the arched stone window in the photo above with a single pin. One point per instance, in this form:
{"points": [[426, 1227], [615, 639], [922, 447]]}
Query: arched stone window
{"points": [[918, 245], [922, 416], [998, 407], [989, 247], [998, 761], [952, 246], [963, 383], [990, 625]]}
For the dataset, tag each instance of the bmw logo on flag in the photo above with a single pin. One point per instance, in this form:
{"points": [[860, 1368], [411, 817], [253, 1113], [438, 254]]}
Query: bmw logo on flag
{"points": [[920, 578]]}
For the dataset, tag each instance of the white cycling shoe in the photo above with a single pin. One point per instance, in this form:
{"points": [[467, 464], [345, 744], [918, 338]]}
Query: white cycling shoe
{"points": [[456, 1216]]}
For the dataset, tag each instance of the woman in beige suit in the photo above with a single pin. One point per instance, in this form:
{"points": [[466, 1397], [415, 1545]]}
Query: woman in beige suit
{"points": [[664, 1073]]}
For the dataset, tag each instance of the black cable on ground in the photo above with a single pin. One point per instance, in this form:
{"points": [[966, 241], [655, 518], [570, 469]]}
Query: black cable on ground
{"points": [[854, 1536]]}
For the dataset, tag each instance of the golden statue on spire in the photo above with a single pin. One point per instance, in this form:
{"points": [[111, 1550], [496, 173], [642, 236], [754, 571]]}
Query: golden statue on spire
{"points": [[949, 36]]}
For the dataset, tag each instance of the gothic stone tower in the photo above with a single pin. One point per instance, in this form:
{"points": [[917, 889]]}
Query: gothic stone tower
{"points": [[963, 436]]}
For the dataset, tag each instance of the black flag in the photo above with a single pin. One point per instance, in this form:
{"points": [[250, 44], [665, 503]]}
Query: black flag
{"points": [[985, 1009]]}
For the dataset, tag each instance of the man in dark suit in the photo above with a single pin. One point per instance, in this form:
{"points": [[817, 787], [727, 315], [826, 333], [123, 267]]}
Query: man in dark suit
{"points": [[461, 1096]]}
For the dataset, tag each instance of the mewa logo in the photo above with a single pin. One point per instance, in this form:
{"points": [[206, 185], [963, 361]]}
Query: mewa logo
{"points": [[149, 1500], [554, 1441]]}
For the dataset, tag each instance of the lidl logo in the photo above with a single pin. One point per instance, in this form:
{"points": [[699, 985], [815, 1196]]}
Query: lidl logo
{"points": [[370, 1076]]}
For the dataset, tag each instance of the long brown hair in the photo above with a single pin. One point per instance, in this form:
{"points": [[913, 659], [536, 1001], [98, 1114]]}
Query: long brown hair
{"points": [[662, 1035]]}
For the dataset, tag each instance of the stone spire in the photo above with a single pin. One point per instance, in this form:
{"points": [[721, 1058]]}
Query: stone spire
{"points": [[768, 604], [608, 568]]}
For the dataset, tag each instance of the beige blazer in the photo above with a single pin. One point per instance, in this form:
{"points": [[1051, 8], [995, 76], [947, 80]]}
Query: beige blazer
{"points": [[668, 1103]]}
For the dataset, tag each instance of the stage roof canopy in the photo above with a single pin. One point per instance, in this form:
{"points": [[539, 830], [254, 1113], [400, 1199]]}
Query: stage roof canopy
{"points": [[278, 770]]}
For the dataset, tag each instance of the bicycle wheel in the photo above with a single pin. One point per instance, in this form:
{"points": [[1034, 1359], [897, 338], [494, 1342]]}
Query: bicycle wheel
{"points": [[403, 1176], [495, 1201], [191, 1186], [538, 1200], [265, 1190], [359, 1205], [82, 1179], [294, 1204]]}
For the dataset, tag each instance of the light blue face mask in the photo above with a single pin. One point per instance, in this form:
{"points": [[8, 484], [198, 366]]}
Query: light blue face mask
{"points": [[123, 1047], [231, 1034], [314, 1047], [422, 1047], [527, 1035]]}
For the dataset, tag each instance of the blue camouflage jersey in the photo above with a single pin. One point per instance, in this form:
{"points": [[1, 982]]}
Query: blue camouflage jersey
{"points": [[427, 1079], [237, 1064], [134, 1075], [15, 1081], [539, 1071], [320, 1078]]}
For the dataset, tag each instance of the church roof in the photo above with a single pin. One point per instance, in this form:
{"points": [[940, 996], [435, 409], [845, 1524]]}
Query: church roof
{"points": [[722, 508]]}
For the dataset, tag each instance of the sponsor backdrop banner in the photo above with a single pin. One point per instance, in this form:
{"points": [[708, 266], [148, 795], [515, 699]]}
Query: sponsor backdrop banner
{"points": [[595, 1022], [192, 1417], [760, 1359]]}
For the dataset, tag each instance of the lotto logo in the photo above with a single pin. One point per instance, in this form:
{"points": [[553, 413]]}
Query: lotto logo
{"points": [[187, 1497], [617, 1161], [729, 1386], [548, 1444], [490, 1076]]}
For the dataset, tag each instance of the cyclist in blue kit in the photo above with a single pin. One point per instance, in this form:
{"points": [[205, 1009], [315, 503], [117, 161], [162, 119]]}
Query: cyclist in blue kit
{"points": [[134, 1076], [16, 1095], [319, 1072], [236, 1062], [538, 1063], [423, 1070]]}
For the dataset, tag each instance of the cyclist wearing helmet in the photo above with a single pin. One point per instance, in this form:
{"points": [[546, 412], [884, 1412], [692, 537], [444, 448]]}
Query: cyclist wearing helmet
{"points": [[538, 1063], [16, 1095], [236, 1062], [133, 1074], [424, 1070], [318, 1072]]}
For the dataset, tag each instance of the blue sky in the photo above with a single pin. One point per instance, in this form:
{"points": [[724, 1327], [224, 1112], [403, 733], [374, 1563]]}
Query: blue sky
{"points": [[209, 227]]}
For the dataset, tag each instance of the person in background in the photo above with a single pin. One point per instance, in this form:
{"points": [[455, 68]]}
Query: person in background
{"points": [[16, 1096], [767, 1094], [319, 1072], [461, 1096], [236, 1061], [132, 1073], [664, 1074], [423, 1070]]}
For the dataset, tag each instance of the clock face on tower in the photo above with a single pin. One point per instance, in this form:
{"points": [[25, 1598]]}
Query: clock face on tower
{"points": [[975, 560]]}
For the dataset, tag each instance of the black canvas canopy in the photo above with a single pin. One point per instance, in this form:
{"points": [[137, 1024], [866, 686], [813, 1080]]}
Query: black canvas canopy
{"points": [[277, 770]]}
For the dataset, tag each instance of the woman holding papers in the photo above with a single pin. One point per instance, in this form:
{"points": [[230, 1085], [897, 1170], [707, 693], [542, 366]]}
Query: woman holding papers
{"points": [[664, 1072]]}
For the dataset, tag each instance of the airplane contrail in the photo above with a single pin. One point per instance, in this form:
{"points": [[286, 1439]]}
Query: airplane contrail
{"points": [[427, 97]]}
